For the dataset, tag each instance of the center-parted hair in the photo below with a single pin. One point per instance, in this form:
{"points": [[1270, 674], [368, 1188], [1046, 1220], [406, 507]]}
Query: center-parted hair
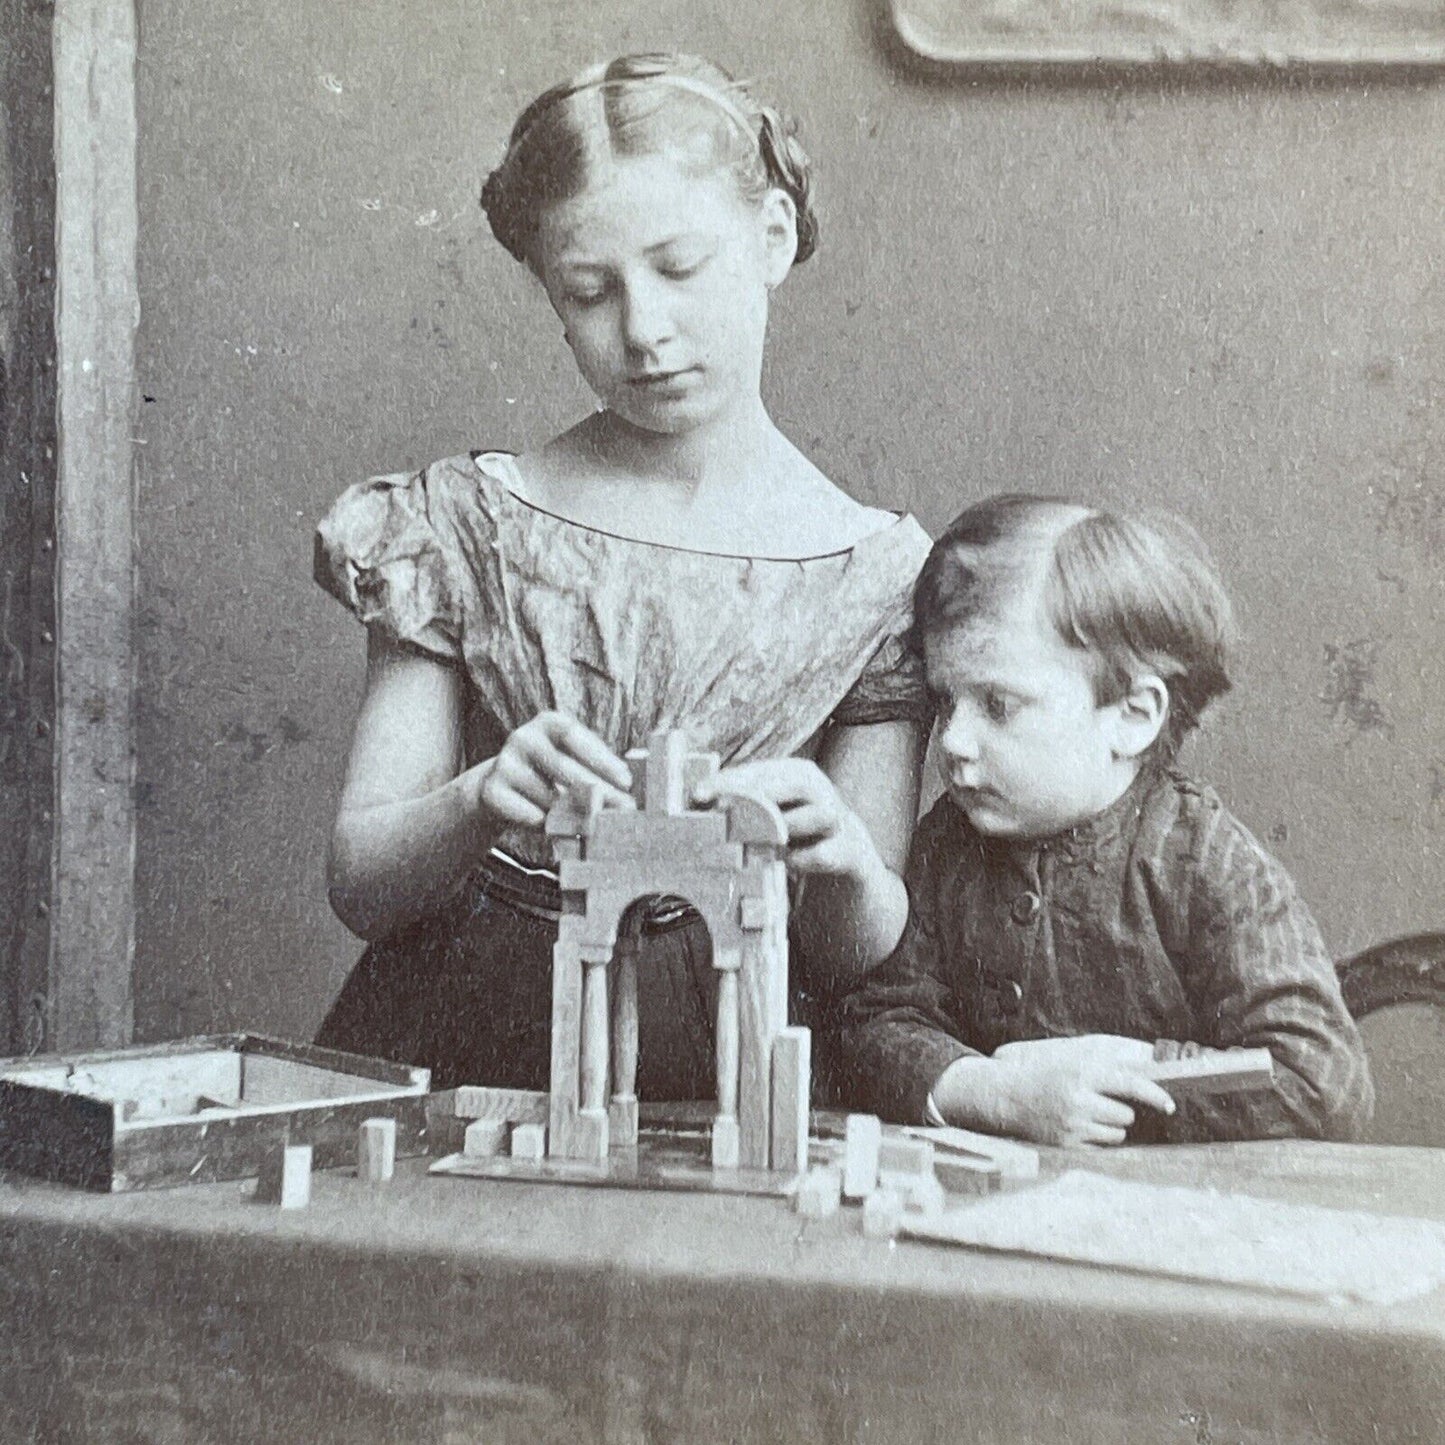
{"points": [[639, 105], [1137, 595]]}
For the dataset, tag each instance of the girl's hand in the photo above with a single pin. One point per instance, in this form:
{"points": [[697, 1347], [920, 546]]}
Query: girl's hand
{"points": [[540, 761], [1053, 1095], [825, 836]]}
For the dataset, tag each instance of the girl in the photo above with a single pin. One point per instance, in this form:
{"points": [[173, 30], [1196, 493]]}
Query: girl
{"points": [[670, 561]]}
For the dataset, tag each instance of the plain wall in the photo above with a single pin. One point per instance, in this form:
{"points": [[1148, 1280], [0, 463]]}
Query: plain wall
{"points": [[1222, 297]]}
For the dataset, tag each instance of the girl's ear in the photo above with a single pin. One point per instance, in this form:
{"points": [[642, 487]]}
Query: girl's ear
{"points": [[1139, 715], [779, 221]]}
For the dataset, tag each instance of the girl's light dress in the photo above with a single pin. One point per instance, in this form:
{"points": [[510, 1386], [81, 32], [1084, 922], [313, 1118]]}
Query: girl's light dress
{"points": [[753, 656]]}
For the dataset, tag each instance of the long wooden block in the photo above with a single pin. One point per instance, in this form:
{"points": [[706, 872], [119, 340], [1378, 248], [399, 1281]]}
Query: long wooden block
{"points": [[792, 1076], [1215, 1071], [285, 1177], [505, 1106], [566, 1037], [1011, 1159], [899, 1154]]}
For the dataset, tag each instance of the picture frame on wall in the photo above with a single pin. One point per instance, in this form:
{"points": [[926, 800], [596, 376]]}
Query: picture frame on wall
{"points": [[1227, 34]]}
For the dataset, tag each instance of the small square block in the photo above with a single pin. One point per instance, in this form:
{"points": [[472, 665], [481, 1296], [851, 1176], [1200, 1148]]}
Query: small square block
{"points": [[485, 1137], [376, 1150], [882, 1214], [285, 1177], [725, 1144], [820, 1192], [863, 1134], [529, 1141]]}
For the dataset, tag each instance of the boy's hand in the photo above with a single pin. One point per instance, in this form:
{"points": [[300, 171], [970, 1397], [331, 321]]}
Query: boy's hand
{"points": [[1054, 1091]]}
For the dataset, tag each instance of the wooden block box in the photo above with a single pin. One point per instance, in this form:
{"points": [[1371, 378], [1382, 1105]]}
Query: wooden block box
{"points": [[197, 1110]]}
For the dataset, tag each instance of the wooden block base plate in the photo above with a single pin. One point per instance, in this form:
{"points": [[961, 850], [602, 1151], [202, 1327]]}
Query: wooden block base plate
{"points": [[659, 1160]]}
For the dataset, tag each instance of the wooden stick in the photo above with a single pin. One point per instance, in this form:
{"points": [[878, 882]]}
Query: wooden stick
{"points": [[594, 1036]]}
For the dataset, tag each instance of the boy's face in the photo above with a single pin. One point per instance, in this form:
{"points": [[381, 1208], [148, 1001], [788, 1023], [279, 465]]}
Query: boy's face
{"points": [[1026, 750]]}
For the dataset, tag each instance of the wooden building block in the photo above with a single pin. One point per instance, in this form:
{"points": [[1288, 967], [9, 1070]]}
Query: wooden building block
{"points": [[509, 1106], [486, 1137], [1012, 1159], [882, 1214], [792, 1077], [529, 1141], [376, 1150], [967, 1173], [725, 1143], [590, 1139], [753, 913], [863, 1134], [285, 1177], [820, 1192], [1215, 1071], [921, 1193], [900, 1154], [622, 1120]]}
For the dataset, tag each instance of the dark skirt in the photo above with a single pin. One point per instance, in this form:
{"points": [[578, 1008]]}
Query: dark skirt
{"points": [[467, 993]]}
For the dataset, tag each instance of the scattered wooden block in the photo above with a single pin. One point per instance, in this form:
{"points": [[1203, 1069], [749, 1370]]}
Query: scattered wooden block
{"points": [[1012, 1159], [792, 1073], [900, 1154], [882, 1214], [862, 1137], [529, 1141], [486, 1137], [725, 1143], [967, 1173], [1215, 1071], [820, 1192], [376, 1150], [511, 1106], [285, 1177], [921, 1193]]}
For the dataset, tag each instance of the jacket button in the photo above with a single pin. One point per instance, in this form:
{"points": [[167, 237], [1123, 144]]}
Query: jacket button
{"points": [[1026, 907]]}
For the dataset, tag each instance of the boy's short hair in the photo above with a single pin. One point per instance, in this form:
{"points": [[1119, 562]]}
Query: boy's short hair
{"points": [[1139, 596]]}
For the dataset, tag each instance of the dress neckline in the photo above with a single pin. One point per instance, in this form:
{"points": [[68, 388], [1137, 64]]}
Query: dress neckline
{"points": [[507, 461]]}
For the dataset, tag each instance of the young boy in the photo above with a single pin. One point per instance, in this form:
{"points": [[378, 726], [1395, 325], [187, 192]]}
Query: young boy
{"points": [[1074, 900]]}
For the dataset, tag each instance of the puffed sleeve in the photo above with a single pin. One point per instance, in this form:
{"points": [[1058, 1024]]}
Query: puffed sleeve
{"points": [[384, 551]]}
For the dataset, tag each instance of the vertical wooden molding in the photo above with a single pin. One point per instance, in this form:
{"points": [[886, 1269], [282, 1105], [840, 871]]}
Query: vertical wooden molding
{"points": [[27, 521], [93, 913]]}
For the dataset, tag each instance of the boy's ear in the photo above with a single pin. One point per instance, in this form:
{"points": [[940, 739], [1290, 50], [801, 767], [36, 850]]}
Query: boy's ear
{"points": [[1139, 715], [780, 235]]}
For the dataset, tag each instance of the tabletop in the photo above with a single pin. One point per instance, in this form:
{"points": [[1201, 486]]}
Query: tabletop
{"points": [[454, 1309]]}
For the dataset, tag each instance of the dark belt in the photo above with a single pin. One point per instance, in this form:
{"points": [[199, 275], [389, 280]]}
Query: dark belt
{"points": [[533, 890]]}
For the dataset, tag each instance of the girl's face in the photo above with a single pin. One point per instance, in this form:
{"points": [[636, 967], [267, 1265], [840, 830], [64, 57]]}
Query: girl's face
{"points": [[661, 276]]}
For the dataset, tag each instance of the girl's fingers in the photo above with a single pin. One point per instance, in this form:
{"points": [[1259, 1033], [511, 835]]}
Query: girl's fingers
{"points": [[568, 735], [563, 772], [809, 823]]}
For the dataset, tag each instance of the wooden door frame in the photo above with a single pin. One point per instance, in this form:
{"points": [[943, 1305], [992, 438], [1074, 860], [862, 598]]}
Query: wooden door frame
{"points": [[71, 952]]}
